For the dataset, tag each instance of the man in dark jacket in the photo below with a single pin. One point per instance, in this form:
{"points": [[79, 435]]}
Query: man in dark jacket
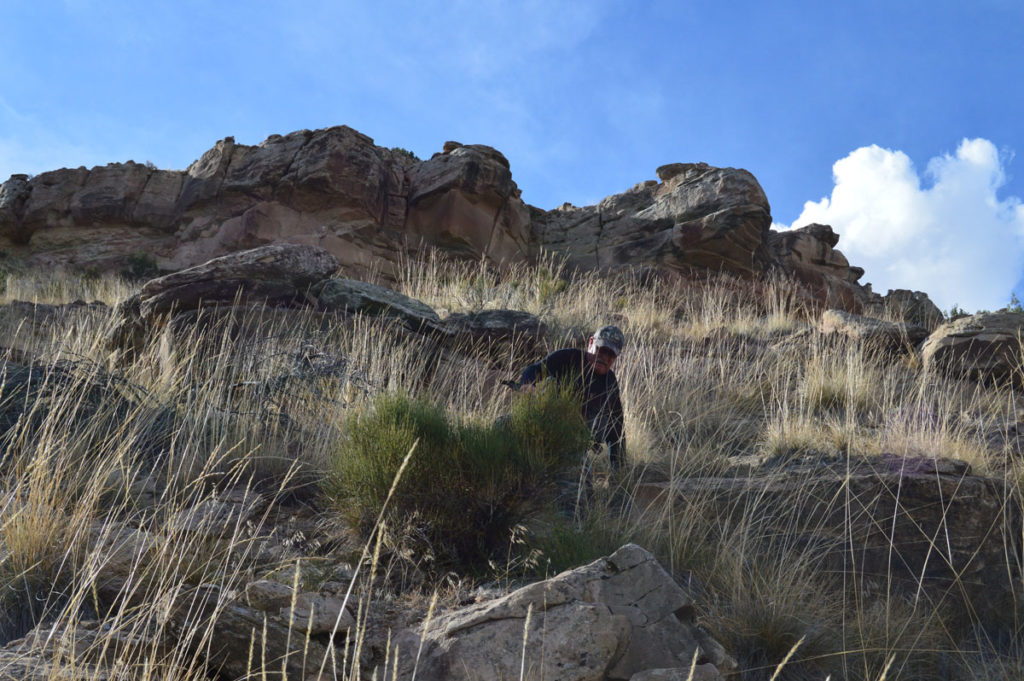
{"points": [[590, 373]]}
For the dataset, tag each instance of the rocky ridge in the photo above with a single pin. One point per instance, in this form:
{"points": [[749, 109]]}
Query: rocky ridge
{"points": [[371, 207]]}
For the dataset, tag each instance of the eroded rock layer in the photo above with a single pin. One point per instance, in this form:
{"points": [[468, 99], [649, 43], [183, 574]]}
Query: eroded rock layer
{"points": [[372, 207]]}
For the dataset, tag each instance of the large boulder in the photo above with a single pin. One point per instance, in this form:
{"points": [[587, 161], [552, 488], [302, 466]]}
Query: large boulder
{"points": [[276, 275], [984, 346], [874, 333], [610, 619], [358, 297], [697, 217]]}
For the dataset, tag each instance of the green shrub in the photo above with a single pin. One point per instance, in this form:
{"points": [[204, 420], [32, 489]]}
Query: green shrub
{"points": [[468, 484], [140, 265], [400, 151]]}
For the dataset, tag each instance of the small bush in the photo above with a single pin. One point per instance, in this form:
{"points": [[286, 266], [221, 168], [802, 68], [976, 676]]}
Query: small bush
{"points": [[140, 265], [468, 484], [400, 151]]}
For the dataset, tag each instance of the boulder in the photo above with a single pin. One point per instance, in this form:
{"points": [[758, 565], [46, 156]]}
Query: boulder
{"points": [[984, 346], [808, 254], [698, 217], [876, 333], [499, 334], [358, 297], [913, 307], [607, 620], [276, 275]]}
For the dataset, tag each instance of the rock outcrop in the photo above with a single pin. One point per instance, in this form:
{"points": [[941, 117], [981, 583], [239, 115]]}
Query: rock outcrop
{"points": [[697, 217], [913, 307], [808, 254], [611, 619], [372, 207], [332, 188], [986, 346]]}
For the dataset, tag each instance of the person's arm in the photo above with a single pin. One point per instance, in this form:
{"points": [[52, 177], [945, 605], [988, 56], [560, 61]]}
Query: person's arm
{"points": [[554, 365]]}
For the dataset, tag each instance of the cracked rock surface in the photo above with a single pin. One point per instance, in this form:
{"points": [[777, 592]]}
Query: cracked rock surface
{"points": [[611, 619]]}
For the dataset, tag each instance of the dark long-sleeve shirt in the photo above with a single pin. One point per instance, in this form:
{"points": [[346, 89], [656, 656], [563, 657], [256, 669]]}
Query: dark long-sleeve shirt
{"points": [[602, 404]]}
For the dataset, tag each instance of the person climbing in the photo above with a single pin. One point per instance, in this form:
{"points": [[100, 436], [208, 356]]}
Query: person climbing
{"points": [[590, 373]]}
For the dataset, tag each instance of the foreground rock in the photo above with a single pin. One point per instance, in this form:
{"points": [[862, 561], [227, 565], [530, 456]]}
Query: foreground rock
{"points": [[984, 346], [612, 619]]}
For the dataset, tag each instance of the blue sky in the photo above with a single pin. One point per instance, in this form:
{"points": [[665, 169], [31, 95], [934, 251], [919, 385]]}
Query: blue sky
{"points": [[898, 121]]}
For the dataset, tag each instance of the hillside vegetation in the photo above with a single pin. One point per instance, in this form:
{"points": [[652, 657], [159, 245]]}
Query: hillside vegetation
{"points": [[140, 493]]}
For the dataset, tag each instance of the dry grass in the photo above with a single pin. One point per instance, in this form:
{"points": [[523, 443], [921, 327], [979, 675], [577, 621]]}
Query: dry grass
{"points": [[714, 376]]}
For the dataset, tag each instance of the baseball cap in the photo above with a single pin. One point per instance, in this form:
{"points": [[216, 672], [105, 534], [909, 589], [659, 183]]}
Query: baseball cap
{"points": [[609, 337]]}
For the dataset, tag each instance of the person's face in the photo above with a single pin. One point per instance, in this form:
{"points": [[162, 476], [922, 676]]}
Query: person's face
{"points": [[603, 359]]}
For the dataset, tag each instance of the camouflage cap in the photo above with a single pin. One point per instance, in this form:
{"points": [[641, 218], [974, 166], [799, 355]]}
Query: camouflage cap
{"points": [[609, 337]]}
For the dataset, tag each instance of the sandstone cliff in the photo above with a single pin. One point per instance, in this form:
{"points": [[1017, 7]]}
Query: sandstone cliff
{"points": [[371, 206]]}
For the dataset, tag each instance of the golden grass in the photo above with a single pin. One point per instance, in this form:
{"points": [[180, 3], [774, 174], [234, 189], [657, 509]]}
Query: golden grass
{"points": [[712, 375]]}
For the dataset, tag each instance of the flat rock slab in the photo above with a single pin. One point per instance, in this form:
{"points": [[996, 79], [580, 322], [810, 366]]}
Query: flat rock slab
{"points": [[277, 273], [358, 297]]}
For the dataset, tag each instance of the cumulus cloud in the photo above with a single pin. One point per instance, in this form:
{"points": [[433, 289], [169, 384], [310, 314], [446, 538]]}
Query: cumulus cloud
{"points": [[947, 233]]}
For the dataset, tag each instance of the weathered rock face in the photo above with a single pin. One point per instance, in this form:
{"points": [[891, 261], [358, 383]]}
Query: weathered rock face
{"points": [[333, 188], [698, 217], [371, 207], [914, 307], [982, 346], [808, 254], [465, 201], [611, 619], [278, 274]]}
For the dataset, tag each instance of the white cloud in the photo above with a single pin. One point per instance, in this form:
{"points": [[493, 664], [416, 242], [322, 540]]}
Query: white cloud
{"points": [[951, 236]]}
